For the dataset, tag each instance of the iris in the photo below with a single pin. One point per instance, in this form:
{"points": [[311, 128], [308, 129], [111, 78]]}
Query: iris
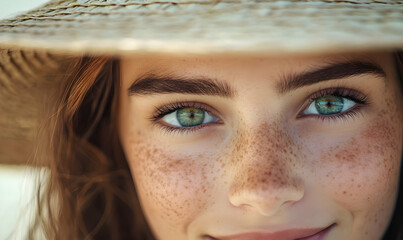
{"points": [[329, 105], [190, 117]]}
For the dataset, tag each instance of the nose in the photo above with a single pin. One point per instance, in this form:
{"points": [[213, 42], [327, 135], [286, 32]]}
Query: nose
{"points": [[265, 177]]}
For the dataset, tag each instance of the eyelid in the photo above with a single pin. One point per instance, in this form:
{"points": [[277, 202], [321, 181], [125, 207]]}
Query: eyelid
{"points": [[166, 109], [351, 94], [341, 92]]}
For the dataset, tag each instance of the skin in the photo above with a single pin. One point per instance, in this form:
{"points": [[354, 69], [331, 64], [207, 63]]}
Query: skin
{"points": [[262, 168]]}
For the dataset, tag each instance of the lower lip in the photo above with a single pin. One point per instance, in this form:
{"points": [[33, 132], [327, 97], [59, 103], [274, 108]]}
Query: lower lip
{"points": [[320, 235], [317, 236]]}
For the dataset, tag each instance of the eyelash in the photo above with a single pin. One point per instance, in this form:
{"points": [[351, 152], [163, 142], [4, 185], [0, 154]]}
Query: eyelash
{"points": [[160, 112], [350, 94], [360, 99]]}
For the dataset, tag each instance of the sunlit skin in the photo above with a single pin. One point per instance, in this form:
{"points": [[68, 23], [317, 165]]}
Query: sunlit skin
{"points": [[264, 165]]}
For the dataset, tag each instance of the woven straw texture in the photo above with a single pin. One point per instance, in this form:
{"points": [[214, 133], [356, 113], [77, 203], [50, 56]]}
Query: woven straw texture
{"points": [[22, 100], [208, 26]]}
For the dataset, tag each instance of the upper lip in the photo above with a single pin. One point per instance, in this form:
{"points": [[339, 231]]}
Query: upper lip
{"points": [[289, 234]]}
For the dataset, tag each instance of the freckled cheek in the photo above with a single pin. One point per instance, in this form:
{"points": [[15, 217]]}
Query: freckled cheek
{"points": [[171, 186], [360, 171], [362, 178]]}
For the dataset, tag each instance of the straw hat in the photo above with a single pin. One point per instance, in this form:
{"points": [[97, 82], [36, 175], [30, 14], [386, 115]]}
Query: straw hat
{"points": [[173, 26]]}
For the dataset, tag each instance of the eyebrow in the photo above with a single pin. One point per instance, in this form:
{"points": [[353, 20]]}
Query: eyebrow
{"points": [[330, 72], [163, 84]]}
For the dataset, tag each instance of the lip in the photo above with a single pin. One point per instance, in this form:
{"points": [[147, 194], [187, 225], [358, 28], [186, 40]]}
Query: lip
{"points": [[290, 234]]}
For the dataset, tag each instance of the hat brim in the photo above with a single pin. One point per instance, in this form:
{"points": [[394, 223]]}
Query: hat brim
{"points": [[207, 27]]}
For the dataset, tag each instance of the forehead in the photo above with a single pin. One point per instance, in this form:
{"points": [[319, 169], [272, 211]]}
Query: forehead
{"points": [[222, 62], [237, 69]]}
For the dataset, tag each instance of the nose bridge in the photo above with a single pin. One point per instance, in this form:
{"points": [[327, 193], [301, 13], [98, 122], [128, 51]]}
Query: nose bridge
{"points": [[264, 177]]}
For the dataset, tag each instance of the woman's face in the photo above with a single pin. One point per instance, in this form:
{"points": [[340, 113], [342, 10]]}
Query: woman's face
{"points": [[274, 148]]}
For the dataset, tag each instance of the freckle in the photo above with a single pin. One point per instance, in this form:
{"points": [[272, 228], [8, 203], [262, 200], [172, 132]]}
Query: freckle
{"points": [[267, 162], [156, 164]]}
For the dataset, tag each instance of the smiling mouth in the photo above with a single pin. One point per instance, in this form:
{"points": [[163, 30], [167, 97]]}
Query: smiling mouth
{"points": [[292, 234], [319, 235]]}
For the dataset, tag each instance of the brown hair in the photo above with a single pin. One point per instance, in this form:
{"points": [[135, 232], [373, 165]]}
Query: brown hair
{"points": [[395, 229], [89, 193]]}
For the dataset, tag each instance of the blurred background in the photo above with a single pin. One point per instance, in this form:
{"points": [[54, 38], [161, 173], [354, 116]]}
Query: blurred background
{"points": [[16, 181], [9, 8]]}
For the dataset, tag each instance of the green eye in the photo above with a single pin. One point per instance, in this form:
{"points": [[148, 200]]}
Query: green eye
{"points": [[329, 105], [189, 117]]}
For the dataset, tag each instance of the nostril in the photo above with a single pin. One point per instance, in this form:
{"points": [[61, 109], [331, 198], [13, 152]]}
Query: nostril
{"points": [[267, 201], [264, 206]]}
